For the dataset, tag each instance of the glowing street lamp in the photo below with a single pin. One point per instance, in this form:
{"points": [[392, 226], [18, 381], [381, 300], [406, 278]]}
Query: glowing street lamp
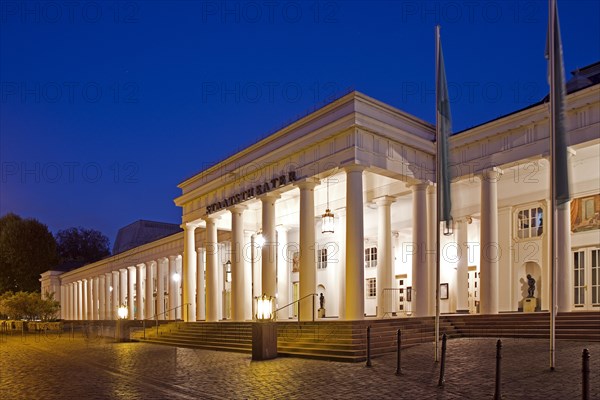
{"points": [[122, 312], [264, 308], [176, 277]]}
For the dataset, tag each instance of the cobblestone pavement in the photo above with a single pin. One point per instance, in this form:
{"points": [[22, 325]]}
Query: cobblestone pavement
{"points": [[39, 367]]}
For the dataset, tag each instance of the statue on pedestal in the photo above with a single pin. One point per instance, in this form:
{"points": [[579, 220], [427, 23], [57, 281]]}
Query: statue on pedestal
{"points": [[531, 284]]}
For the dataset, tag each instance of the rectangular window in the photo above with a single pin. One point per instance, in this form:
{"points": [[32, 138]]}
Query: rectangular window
{"points": [[322, 258], [530, 223], [370, 257], [579, 278], [371, 287]]}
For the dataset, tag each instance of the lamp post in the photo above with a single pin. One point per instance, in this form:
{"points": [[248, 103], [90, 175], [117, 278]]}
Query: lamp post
{"points": [[121, 330], [264, 330]]}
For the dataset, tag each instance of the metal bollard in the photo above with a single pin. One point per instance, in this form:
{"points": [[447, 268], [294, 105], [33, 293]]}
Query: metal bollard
{"points": [[368, 346], [443, 364], [497, 392], [398, 367], [585, 374]]}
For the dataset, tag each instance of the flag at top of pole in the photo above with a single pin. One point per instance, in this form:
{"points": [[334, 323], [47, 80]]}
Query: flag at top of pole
{"points": [[443, 131], [556, 80]]}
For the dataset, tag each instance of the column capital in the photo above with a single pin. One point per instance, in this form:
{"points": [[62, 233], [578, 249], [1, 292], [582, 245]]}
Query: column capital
{"points": [[423, 185], [307, 184], [384, 200], [238, 208], [491, 174], [269, 197], [354, 168], [191, 225], [210, 218]]}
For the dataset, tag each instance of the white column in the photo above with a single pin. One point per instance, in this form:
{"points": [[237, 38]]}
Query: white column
{"points": [[115, 294], [385, 256], [355, 244], [107, 296], [269, 248], [189, 272], [420, 286], [123, 286], [96, 298], [69, 291], [149, 303], [131, 292], [489, 257], [139, 292], [79, 302], [62, 302], [84, 302], [200, 291], [212, 277], [160, 288], [73, 300], [102, 297], [283, 272], [564, 284], [248, 252], [178, 289], [237, 263], [308, 256], [90, 301], [173, 295], [341, 267], [462, 267], [431, 247]]}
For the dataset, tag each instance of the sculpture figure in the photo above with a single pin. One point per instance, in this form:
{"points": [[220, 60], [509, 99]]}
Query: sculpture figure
{"points": [[531, 284]]}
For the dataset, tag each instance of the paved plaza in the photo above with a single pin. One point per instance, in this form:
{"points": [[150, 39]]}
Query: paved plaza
{"points": [[53, 367]]}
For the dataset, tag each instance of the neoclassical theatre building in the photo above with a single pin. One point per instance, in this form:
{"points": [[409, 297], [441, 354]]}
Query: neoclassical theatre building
{"points": [[342, 203]]}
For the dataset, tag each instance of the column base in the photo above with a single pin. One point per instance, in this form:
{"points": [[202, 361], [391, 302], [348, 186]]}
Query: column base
{"points": [[462, 312]]}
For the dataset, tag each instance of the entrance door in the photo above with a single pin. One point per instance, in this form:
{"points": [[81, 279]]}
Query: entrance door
{"points": [[473, 290], [586, 279]]}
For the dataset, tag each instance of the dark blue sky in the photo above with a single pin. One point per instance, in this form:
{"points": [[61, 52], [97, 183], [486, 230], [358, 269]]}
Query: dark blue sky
{"points": [[106, 106]]}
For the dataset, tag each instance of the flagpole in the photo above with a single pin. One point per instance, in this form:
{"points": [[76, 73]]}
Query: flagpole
{"points": [[438, 192], [551, 24]]}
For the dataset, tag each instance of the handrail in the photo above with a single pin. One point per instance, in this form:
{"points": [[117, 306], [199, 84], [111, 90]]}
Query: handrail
{"points": [[298, 301], [155, 317]]}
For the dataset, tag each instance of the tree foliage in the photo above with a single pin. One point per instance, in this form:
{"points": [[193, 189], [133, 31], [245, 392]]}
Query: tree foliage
{"points": [[29, 306], [27, 248], [81, 245]]}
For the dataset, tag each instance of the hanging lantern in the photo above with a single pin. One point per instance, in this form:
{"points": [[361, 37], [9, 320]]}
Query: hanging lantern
{"points": [[327, 222], [327, 219]]}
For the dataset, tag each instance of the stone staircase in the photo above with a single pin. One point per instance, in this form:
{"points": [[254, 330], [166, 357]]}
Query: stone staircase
{"points": [[225, 336], [347, 340], [574, 325]]}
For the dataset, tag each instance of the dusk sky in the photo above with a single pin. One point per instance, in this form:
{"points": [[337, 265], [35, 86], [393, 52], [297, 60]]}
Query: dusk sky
{"points": [[106, 106]]}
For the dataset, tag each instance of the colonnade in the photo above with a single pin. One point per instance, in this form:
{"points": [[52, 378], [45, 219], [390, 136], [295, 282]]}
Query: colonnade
{"points": [[143, 287]]}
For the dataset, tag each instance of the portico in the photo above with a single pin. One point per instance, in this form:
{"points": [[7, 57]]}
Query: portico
{"points": [[252, 224]]}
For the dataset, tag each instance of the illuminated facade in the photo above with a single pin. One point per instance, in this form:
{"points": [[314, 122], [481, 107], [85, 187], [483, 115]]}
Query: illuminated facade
{"points": [[253, 223]]}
